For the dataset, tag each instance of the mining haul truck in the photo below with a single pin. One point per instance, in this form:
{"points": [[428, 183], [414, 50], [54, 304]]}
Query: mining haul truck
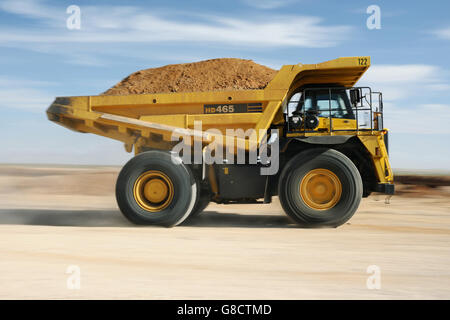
{"points": [[310, 137]]}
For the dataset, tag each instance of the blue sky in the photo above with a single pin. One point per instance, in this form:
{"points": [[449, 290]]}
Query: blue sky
{"points": [[41, 59]]}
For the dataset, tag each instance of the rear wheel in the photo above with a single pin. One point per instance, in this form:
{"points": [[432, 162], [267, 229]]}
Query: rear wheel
{"points": [[202, 202], [152, 189], [203, 195], [320, 187]]}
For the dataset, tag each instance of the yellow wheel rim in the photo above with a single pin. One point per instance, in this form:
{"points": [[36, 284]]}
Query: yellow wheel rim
{"points": [[153, 191], [320, 189]]}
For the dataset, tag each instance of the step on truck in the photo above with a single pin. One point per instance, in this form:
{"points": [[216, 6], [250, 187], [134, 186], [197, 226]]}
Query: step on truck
{"points": [[310, 137]]}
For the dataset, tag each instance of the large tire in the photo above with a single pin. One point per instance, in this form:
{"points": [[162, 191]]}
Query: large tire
{"points": [[320, 188], [201, 204], [203, 196], [153, 190]]}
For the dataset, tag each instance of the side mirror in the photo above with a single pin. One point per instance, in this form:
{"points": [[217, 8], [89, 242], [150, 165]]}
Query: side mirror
{"points": [[355, 96]]}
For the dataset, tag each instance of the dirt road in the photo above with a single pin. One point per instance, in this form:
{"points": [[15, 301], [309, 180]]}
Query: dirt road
{"points": [[53, 218]]}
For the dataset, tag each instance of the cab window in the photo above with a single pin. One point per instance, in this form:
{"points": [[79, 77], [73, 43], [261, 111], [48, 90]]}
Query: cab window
{"points": [[336, 103], [320, 102]]}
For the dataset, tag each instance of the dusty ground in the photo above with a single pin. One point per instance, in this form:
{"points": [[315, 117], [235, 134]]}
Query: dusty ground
{"points": [[51, 219]]}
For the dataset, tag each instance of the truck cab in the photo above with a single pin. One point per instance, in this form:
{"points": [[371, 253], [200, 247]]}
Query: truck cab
{"points": [[333, 108]]}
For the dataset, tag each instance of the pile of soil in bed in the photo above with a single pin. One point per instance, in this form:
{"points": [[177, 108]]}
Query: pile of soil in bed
{"points": [[208, 75]]}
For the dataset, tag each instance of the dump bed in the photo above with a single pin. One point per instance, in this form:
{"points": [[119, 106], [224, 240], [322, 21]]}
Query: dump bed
{"points": [[150, 120]]}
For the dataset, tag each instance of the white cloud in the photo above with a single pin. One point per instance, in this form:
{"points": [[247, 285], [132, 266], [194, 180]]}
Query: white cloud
{"points": [[403, 87], [401, 73], [423, 119], [438, 86], [24, 94], [24, 98], [17, 83], [403, 81], [268, 4], [136, 30], [134, 25], [34, 9], [292, 31], [443, 33]]}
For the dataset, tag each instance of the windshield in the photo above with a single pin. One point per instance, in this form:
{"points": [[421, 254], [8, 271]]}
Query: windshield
{"points": [[320, 102]]}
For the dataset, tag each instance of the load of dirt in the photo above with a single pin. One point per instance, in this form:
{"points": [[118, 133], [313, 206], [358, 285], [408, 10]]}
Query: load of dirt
{"points": [[209, 75]]}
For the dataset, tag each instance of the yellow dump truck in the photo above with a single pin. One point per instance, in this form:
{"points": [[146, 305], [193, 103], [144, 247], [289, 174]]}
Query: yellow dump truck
{"points": [[309, 137]]}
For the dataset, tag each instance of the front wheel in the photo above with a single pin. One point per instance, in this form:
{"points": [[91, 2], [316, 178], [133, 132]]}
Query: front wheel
{"points": [[320, 187]]}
